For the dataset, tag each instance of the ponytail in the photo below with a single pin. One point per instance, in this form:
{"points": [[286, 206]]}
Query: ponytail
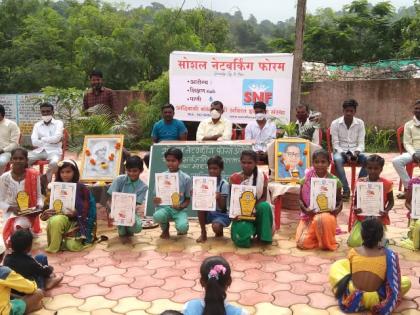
{"points": [[254, 176], [341, 286], [214, 300]]}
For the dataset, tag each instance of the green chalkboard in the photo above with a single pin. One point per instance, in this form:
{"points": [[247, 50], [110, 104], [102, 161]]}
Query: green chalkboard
{"points": [[194, 162]]}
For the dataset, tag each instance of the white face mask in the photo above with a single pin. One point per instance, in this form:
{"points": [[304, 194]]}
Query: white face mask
{"points": [[215, 114], [260, 116], [47, 118]]}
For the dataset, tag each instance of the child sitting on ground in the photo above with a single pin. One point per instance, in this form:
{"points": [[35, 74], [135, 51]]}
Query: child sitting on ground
{"points": [[175, 212], [10, 280], [412, 241], [34, 269], [317, 230], [215, 279], [374, 166], [219, 218], [131, 184]]}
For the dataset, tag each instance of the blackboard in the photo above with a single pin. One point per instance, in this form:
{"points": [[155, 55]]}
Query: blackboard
{"points": [[194, 162]]}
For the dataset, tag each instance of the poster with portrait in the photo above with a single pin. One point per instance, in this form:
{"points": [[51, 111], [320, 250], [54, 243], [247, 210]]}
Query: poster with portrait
{"points": [[101, 157], [292, 158]]}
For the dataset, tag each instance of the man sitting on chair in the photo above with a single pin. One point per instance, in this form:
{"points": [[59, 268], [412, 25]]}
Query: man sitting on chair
{"points": [[261, 131], [47, 137], [9, 138], [348, 141], [215, 127], [411, 142]]}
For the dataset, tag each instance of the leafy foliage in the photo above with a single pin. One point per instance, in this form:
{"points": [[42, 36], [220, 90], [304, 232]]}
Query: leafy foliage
{"points": [[57, 43], [380, 140]]}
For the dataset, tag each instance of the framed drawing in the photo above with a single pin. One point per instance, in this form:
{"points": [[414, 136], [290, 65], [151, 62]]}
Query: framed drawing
{"points": [[292, 158], [101, 157]]}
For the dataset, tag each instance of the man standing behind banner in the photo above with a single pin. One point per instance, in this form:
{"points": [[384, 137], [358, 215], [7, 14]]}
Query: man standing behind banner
{"points": [[9, 138], [260, 131], [215, 127], [98, 95]]}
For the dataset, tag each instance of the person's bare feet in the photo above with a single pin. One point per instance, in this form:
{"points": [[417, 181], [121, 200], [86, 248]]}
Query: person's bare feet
{"points": [[217, 229], [125, 239], [52, 281], [202, 238], [165, 233]]}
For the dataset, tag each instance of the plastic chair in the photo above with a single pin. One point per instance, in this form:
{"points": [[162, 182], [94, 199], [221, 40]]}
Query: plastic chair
{"points": [[410, 166], [64, 145], [351, 164]]}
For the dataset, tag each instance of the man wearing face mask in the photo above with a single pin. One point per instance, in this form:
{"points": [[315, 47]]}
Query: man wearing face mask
{"points": [[261, 131], [215, 127], [98, 94], [46, 138]]}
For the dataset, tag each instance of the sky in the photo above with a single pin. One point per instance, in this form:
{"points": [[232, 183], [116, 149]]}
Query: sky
{"points": [[273, 10]]}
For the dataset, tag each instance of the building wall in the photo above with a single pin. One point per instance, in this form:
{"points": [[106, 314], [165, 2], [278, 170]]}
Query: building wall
{"points": [[382, 103]]}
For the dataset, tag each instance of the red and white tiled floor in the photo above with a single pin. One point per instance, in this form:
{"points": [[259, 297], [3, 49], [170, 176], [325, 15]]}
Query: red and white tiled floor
{"points": [[151, 275]]}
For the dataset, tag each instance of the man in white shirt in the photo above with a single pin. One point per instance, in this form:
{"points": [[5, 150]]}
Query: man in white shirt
{"points": [[46, 137], [261, 131], [308, 127], [348, 141], [411, 140], [215, 127], [9, 138]]}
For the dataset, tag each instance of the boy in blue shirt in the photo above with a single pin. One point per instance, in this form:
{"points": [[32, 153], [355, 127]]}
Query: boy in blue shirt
{"points": [[131, 184], [219, 218], [164, 214]]}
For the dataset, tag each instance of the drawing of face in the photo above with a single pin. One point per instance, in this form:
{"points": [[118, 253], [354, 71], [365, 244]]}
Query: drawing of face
{"points": [[292, 156]]}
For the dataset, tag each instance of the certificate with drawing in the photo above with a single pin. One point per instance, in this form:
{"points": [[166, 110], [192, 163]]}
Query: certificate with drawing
{"points": [[204, 193], [415, 202], [123, 208], [323, 194], [370, 198], [63, 196], [167, 187], [242, 201]]}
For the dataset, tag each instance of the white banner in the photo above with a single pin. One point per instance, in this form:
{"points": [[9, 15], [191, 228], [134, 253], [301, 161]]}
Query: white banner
{"points": [[237, 80]]}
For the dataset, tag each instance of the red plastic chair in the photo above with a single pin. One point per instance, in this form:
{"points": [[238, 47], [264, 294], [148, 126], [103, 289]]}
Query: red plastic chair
{"points": [[64, 145], [320, 136], [353, 165], [410, 166], [234, 134]]}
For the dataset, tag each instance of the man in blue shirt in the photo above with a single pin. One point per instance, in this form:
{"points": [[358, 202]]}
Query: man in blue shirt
{"points": [[169, 128]]}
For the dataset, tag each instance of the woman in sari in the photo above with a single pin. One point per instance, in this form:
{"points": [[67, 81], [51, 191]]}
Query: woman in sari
{"points": [[72, 229], [370, 279], [24, 182], [243, 230]]}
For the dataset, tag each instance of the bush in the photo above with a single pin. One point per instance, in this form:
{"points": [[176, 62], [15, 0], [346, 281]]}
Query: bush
{"points": [[380, 140]]}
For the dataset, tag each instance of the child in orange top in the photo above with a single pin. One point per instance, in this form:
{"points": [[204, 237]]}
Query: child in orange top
{"points": [[317, 230], [374, 167]]}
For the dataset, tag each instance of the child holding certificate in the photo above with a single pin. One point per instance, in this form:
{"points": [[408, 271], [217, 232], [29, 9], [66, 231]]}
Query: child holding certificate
{"points": [[317, 229], [131, 184], [374, 167], [70, 229], [244, 230], [413, 237], [23, 182], [180, 200], [219, 218]]}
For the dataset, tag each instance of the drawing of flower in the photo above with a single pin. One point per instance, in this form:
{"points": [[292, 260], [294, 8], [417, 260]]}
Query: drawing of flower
{"points": [[287, 167], [300, 163], [305, 152], [111, 157], [87, 152], [92, 161], [118, 146]]}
